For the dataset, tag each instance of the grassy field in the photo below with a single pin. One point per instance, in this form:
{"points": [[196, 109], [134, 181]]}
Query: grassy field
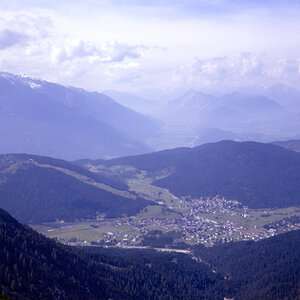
{"points": [[93, 230]]}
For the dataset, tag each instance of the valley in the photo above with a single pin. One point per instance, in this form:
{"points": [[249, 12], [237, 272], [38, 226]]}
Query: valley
{"points": [[150, 150], [174, 222], [211, 194]]}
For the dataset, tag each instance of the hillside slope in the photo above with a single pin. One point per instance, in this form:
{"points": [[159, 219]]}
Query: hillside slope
{"points": [[39, 189], [268, 269], [44, 118], [256, 174], [293, 145], [34, 267]]}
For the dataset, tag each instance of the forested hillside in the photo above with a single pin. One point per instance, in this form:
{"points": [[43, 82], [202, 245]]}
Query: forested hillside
{"points": [[39, 189], [268, 269], [256, 174], [34, 267]]}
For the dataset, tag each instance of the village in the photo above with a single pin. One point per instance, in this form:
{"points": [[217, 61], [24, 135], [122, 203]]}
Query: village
{"points": [[206, 220]]}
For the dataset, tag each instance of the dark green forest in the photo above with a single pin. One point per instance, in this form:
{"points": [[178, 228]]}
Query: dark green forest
{"points": [[39, 194], [268, 269], [35, 267], [256, 174]]}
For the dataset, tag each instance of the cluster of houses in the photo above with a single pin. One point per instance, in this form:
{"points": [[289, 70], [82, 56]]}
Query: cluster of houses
{"points": [[205, 220]]}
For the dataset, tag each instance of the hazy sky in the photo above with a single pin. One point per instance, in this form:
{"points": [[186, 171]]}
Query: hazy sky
{"points": [[137, 45]]}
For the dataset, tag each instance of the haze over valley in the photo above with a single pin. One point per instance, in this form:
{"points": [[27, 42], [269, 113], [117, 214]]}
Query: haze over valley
{"points": [[71, 123]]}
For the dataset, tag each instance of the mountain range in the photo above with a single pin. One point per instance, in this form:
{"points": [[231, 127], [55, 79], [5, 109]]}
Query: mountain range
{"points": [[260, 115], [206, 109], [45, 118], [286, 96], [293, 145]]}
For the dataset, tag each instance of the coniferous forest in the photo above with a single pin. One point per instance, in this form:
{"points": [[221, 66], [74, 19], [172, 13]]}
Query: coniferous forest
{"points": [[34, 267]]}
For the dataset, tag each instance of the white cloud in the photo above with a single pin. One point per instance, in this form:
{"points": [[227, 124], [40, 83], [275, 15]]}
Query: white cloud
{"points": [[151, 44], [69, 50], [10, 38], [229, 73], [34, 45]]}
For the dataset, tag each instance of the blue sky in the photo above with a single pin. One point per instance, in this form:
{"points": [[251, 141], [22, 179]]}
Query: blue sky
{"points": [[138, 46]]}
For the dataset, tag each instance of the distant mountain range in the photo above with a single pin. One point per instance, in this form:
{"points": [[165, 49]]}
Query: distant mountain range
{"points": [[44, 118], [256, 174], [287, 97], [40, 189], [260, 115], [228, 111], [136, 103], [34, 267], [293, 145]]}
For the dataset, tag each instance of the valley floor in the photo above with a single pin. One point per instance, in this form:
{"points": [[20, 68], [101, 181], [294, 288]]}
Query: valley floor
{"points": [[175, 222]]}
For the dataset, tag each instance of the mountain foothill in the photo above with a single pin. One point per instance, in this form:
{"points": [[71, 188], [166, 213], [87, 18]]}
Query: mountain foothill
{"points": [[258, 175], [41, 189]]}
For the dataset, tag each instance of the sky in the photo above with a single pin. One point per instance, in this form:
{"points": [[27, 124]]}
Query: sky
{"points": [[154, 46]]}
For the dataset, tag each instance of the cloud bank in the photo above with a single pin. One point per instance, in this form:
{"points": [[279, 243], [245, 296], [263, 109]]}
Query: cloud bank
{"points": [[217, 45], [230, 73]]}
